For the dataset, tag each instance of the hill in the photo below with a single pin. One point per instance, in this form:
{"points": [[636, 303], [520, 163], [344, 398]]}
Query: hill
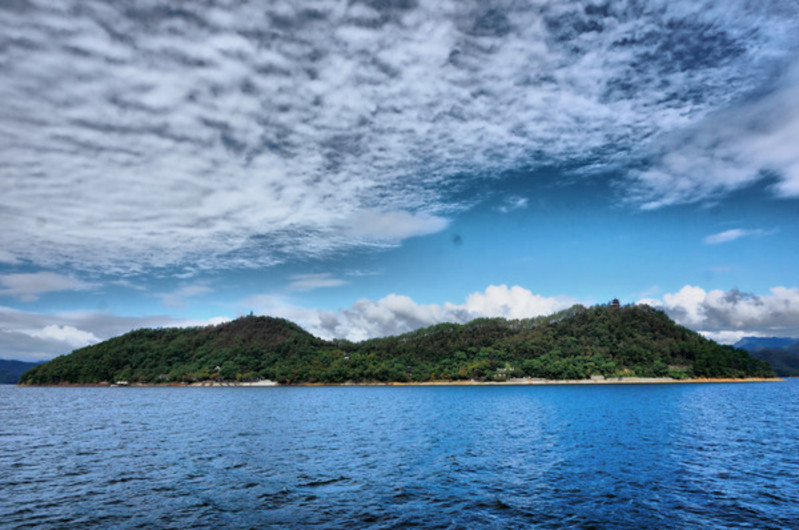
{"points": [[782, 353], [785, 362], [751, 344], [10, 371], [573, 344]]}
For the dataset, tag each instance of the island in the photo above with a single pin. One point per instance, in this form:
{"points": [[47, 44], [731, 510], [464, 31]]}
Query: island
{"points": [[602, 342]]}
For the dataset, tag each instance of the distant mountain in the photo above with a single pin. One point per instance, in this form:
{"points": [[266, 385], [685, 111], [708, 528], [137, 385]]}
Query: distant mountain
{"points": [[784, 362], [782, 353], [751, 344], [577, 343], [10, 371]]}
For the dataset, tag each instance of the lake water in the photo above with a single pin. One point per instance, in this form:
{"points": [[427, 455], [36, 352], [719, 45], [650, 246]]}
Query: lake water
{"points": [[705, 455]]}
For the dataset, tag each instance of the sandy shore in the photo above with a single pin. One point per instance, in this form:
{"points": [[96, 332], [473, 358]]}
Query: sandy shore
{"points": [[536, 381], [262, 382], [509, 382]]}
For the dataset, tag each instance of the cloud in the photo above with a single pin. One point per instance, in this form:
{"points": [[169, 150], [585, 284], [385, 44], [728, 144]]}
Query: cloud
{"points": [[67, 334], [372, 225], [727, 151], [728, 315], [28, 286], [513, 203], [8, 258], [730, 337], [396, 314], [29, 336], [514, 302], [309, 282], [177, 298], [732, 235], [135, 137]]}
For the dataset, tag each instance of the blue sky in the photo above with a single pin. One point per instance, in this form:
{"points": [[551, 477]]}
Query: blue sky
{"points": [[367, 168]]}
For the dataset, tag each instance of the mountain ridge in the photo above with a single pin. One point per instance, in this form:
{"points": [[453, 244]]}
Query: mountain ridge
{"points": [[577, 343], [11, 370], [751, 344]]}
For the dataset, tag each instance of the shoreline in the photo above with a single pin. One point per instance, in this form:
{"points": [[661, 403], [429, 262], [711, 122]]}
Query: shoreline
{"points": [[527, 381]]}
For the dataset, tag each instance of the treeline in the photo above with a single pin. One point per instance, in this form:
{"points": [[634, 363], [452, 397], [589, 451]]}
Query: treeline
{"points": [[573, 344]]}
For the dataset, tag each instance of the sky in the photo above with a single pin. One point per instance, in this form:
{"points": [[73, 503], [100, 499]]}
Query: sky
{"points": [[368, 168]]}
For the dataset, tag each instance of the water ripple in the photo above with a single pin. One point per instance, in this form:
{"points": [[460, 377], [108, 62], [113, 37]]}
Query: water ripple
{"points": [[453, 457]]}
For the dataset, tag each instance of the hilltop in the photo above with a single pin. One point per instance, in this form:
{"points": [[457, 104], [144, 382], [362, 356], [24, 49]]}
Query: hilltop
{"points": [[573, 344]]}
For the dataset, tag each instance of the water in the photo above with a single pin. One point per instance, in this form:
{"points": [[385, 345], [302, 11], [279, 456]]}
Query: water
{"points": [[718, 455]]}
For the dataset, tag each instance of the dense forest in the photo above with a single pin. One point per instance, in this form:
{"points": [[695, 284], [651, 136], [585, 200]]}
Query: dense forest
{"points": [[577, 343]]}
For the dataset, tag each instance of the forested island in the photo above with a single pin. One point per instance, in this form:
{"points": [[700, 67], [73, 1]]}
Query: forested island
{"points": [[578, 343]]}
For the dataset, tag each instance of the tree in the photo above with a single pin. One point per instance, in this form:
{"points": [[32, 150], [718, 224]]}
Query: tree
{"points": [[228, 370]]}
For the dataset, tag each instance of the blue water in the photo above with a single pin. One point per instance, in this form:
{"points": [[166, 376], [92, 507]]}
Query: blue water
{"points": [[714, 455]]}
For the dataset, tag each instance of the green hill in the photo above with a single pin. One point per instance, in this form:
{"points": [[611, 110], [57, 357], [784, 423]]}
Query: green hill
{"points": [[573, 344]]}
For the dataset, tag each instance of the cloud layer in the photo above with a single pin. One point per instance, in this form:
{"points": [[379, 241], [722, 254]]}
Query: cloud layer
{"points": [[141, 136], [733, 234], [727, 316], [726, 151], [396, 314], [28, 336], [28, 286]]}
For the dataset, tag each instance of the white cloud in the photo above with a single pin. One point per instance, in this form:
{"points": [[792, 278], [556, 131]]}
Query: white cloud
{"points": [[726, 151], [309, 282], [373, 225], [514, 302], [28, 286], [128, 284], [732, 235], [513, 203], [73, 337], [395, 314], [240, 135], [729, 314], [28, 336], [177, 298], [724, 237], [729, 337]]}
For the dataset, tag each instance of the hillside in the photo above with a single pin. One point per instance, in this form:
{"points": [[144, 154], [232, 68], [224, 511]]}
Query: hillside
{"points": [[752, 344], [574, 344], [10, 371], [785, 361], [782, 353]]}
